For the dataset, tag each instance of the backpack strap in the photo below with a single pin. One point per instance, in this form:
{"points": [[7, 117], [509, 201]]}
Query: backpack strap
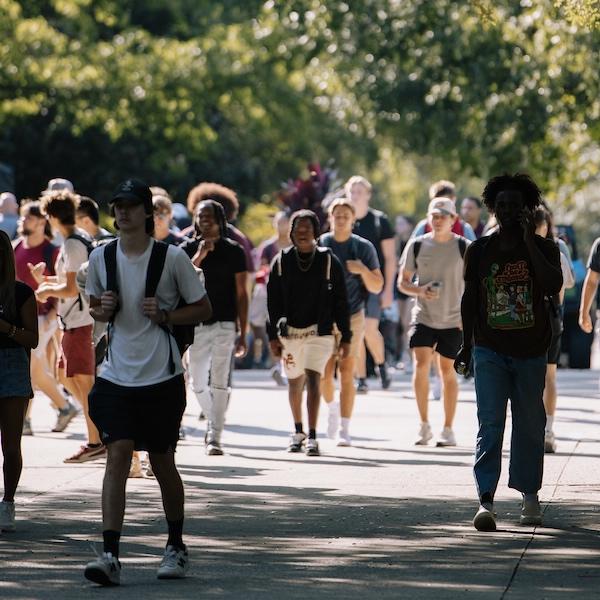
{"points": [[416, 249], [88, 245], [110, 262], [462, 246], [48, 255]]}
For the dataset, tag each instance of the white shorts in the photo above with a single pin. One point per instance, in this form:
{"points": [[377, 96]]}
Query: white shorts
{"points": [[304, 349], [47, 326]]}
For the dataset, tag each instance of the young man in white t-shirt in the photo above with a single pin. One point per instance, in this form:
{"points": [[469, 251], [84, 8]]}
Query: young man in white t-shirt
{"points": [[436, 259], [77, 366], [139, 396]]}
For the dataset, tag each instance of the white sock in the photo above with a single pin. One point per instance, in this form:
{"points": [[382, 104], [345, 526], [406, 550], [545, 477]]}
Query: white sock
{"points": [[549, 422], [334, 407], [345, 425]]}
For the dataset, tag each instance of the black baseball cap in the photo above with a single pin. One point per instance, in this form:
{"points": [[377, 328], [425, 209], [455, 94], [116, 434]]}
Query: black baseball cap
{"points": [[136, 191]]}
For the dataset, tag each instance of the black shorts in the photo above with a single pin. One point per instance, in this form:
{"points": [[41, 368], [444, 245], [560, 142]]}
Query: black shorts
{"points": [[149, 415], [554, 350], [445, 341]]}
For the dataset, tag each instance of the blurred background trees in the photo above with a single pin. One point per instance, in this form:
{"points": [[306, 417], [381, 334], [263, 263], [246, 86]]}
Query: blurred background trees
{"points": [[249, 92]]}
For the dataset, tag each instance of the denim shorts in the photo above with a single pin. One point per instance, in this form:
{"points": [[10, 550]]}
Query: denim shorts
{"points": [[15, 378]]}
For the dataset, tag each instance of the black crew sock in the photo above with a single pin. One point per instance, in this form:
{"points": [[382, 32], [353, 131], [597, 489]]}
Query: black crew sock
{"points": [[111, 541], [176, 534], [312, 434], [298, 427], [486, 497]]}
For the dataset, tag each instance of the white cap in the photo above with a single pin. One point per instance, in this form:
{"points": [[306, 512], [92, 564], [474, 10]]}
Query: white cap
{"points": [[442, 206], [8, 203], [54, 185]]}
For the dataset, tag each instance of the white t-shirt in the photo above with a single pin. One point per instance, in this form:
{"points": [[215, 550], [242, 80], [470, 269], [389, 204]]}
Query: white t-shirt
{"points": [[139, 349], [75, 312]]}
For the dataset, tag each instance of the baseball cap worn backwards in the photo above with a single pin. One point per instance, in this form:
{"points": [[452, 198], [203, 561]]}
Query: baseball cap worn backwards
{"points": [[442, 206], [135, 191], [57, 184]]}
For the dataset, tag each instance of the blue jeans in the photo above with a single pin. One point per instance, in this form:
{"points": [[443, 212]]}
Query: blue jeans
{"points": [[499, 377]]}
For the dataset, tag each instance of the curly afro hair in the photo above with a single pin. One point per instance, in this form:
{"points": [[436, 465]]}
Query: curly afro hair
{"points": [[225, 196], [532, 196]]}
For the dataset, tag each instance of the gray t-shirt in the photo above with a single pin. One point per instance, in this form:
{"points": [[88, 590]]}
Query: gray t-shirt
{"points": [[437, 262], [355, 248]]}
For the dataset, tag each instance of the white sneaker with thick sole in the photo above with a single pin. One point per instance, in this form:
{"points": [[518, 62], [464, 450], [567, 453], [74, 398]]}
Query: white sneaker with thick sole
{"points": [[297, 441], [174, 565], [344, 439], [105, 570], [446, 438], [531, 513], [7, 516], [425, 435], [312, 448], [485, 518], [333, 420]]}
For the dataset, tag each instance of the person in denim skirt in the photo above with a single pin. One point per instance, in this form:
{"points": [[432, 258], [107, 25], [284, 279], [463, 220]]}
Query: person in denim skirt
{"points": [[507, 332], [18, 335]]}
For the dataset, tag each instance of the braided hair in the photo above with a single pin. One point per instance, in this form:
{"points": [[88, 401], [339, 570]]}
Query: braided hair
{"points": [[218, 213], [305, 214]]}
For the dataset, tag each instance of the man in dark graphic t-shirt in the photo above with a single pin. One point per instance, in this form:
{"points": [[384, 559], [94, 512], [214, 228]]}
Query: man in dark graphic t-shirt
{"points": [[506, 329]]}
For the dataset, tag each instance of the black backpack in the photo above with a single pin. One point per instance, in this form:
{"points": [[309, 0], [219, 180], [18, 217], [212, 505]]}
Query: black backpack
{"points": [[183, 334]]}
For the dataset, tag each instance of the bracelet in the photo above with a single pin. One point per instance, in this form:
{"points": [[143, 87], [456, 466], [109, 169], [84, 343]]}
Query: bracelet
{"points": [[12, 331]]}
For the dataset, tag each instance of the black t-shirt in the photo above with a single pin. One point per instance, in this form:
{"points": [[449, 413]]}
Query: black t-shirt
{"points": [[594, 259], [22, 293], [512, 318], [375, 227], [220, 267]]}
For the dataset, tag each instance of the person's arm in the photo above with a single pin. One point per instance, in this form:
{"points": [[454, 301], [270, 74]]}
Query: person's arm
{"points": [[341, 309], [469, 307], [406, 286], [388, 248], [372, 279], [65, 290], [26, 336], [590, 287], [184, 315], [241, 291]]}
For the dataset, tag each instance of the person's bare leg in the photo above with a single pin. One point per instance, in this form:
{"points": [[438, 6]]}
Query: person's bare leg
{"points": [[313, 397], [118, 461], [171, 486], [449, 389], [422, 365], [327, 381], [361, 363], [347, 389], [550, 391], [12, 413], [295, 389], [41, 379], [374, 341], [82, 386]]}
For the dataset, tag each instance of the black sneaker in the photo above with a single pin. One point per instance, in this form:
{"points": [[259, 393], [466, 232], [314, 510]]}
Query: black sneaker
{"points": [[297, 442], [386, 380], [362, 387]]}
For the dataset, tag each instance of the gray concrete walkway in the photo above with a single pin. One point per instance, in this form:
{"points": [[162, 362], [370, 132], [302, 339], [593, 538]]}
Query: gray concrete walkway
{"points": [[382, 519]]}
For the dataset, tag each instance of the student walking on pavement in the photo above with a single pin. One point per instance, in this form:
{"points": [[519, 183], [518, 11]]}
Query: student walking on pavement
{"points": [[306, 296], [362, 276], [507, 332], [436, 259], [18, 335], [223, 266], [138, 399]]}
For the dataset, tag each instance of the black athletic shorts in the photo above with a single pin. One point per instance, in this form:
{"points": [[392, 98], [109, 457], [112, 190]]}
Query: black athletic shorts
{"points": [[149, 415], [445, 341], [554, 350]]}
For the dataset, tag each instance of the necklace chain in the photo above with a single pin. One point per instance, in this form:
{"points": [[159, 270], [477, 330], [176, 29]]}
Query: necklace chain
{"points": [[305, 264]]}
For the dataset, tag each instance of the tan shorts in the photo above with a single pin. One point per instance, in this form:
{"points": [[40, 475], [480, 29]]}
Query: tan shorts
{"points": [[357, 326], [304, 349]]}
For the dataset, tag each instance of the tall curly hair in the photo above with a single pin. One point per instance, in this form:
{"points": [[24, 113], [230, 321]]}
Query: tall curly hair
{"points": [[532, 195], [225, 196]]}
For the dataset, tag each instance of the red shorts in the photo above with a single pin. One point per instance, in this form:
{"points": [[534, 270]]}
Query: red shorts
{"points": [[77, 352]]}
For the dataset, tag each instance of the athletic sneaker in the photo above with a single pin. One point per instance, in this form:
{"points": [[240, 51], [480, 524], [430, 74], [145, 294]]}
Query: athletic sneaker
{"points": [[446, 438], [65, 416], [549, 442], [105, 570], [362, 387], [531, 513], [27, 427], [485, 519], [174, 565], [312, 448], [7, 516], [333, 420], [278, 377], [181, 433], [135, 470], [296, 442], [344, 439], [386, 380], [424, 435], [85, 453], [213, 448]]}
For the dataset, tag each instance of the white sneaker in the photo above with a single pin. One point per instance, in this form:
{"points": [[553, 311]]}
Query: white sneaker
{"points": [[297, 441], [424, 435], [531, 513], [333, 420], [105, 570], [485, 519], [7, 516], [549, 442], [174, 565], [344, 439], [312, 447], [446, 438]]}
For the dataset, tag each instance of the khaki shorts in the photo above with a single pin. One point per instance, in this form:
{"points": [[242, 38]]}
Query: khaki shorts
{"points": [[357, 326], [304, 349]]}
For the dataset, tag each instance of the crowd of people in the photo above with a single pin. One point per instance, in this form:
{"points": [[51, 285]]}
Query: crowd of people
{"points": [[118, 325]]}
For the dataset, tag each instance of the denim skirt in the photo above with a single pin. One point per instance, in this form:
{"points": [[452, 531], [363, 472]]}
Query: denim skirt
{"points": [[15, 377]]}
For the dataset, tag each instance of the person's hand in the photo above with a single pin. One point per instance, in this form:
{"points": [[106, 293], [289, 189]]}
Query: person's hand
{"points": [[585, 322], [386, 299], [204, 248], [108, 302], [240, 347], [462, 363], [152, 311], [427, 292], [356, 267], [4, 326], [344, 350], [276, 348], [527, 224], [43, 292], [37, 271]]}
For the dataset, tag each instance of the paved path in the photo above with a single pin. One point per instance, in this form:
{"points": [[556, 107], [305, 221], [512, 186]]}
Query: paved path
{"points": [[382, 519]]}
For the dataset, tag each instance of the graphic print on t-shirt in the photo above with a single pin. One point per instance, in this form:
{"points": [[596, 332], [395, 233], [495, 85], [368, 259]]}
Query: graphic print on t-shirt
{"points": [[509, 296]]}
